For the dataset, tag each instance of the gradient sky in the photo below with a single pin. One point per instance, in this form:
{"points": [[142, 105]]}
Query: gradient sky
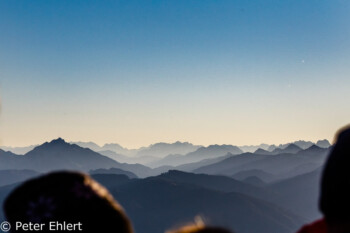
{"points": [[140, 72]]}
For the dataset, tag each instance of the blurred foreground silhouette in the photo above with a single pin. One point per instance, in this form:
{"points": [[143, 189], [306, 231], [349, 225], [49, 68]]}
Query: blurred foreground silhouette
{"points": [[69, 198], [335, 189]]}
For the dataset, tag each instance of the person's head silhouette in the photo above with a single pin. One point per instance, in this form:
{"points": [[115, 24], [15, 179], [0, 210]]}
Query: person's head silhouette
{"points": [[61, 201], [335, 184]]}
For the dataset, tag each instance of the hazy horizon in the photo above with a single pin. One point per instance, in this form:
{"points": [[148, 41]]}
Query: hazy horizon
{"points": [[205, 72], [170, 142]]}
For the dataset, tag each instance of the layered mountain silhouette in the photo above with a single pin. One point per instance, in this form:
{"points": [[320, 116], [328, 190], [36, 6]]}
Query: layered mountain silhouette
{"points": [[273, 189], [210, 152], [253, 148], [282, 165], [161, 150], [262, 175], [291, 148], [277, 193], [300, 193], [219, 183], [300, 143], [9, 160], [232, 164], [114, 147], [262, 152], [59, 155], [157, 150], [193, 166], [18, 150], [113, 170], [224, 160], [14, 176], [127, 159], [179, 202], [178, 153]]}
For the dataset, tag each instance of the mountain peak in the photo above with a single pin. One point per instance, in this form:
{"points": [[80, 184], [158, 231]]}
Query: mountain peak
{"points": [[58, 141], [323, 143], [54, 144]]}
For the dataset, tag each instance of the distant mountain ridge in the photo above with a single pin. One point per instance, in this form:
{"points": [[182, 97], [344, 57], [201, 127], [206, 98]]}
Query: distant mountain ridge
{"points": [[290, 149], [300, 143], [306, 144], [18, 150], [281, 165], [108, 147], [8, 159], [58, 155], [163, 149], [202, 153], [160, 149]]}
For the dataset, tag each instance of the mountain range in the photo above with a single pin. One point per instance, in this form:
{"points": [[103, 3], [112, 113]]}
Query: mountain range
{"points": [[268, 190], [210, 152], [282, 165], [216, 159], [161, 150], [60, 155]]}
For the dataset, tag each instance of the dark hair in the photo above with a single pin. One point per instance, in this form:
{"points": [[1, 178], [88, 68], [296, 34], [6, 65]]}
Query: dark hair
{"points": [[335, 184], [69, 197]]}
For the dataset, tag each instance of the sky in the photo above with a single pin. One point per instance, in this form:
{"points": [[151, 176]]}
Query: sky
{"points": [[140, 72]]}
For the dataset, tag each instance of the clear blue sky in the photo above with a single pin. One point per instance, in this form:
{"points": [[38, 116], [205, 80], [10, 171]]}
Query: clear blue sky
{"points": [[139, 72]]}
